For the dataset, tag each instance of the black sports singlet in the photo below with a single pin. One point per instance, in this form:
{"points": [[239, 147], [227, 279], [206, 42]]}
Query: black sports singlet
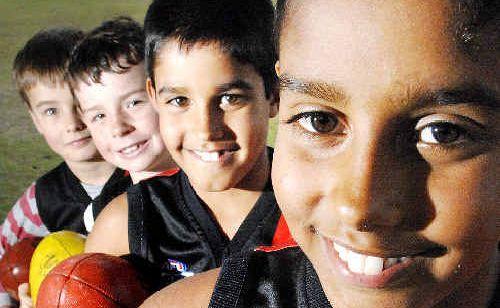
{"points": [[61, 199]]}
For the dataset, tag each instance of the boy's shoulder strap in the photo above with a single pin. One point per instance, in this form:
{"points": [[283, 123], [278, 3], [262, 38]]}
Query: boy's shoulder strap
{"points": [[61, 200], [268, 279], [116, 185]]}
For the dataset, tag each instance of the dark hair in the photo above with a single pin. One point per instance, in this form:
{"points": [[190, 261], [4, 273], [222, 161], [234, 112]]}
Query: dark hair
{"points": [[470, 19], [243, 29], [44, 57], [114, 46]]}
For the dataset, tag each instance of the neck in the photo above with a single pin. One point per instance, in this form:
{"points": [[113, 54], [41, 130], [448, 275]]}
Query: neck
{"points": [[244, 195], [138, 176], [163, 163], [92, 172]]}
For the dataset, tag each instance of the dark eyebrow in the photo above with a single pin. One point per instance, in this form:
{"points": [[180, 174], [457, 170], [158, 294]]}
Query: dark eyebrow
{"points": [[171, 90], [236, 84], [320, 90], [463, 94]]}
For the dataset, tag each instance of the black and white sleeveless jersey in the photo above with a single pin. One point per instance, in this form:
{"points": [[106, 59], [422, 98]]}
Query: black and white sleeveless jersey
{"points": [[61, 200], [172, 228]]}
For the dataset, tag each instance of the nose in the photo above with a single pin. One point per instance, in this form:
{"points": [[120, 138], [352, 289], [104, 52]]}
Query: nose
{"points": [[209, 124], [120, 126], [74, 122], [380, 186]]}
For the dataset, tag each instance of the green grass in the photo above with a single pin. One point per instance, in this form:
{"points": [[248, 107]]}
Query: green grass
{"points": [[24, 156]]}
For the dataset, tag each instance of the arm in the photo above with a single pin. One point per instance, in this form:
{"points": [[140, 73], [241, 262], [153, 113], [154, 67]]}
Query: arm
{"points": [[22, 221], [194, 291], [110, 232]]}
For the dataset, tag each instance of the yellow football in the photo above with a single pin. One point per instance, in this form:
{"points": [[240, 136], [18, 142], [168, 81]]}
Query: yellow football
{"points": [[53, 249]]}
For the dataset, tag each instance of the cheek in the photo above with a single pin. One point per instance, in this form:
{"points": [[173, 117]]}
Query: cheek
{"points": [[295, 181], [465, 199], [467, 211], [169, 132]]}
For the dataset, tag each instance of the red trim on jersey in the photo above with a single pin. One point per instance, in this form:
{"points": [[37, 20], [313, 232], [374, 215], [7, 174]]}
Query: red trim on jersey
{"points": [[126, 173], [169, 172], [282, 238]]}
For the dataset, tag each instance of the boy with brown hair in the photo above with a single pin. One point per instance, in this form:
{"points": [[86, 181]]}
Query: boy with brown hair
{"points": [[107, 76], [63, 198]]}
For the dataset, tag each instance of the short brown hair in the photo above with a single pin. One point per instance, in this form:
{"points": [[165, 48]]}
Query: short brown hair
{"points": [[44, 57]]}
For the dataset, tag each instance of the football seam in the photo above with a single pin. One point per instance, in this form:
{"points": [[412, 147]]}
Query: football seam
{"points": [[70, 274]]}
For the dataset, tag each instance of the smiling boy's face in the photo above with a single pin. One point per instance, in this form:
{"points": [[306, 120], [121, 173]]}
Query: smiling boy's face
{"points": [[122, 120], [213, 116], [54, 113], [386, 162]]}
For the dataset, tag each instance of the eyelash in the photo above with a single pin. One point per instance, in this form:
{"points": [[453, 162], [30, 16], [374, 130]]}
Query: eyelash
{"points": [[314, 114], [46, 111]]}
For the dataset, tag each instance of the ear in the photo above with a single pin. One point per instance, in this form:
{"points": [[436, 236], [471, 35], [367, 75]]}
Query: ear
{"points": [[150, 89], [35, 121], [275, 100]]}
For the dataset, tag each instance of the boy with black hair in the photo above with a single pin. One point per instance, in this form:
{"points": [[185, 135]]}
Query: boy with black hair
{"points": [[386, 164], [107, 77], [60, 199], [210, 76]]}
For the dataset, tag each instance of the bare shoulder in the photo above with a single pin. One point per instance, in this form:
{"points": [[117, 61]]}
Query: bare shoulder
{"points": [[110, 232], [189, 292]]}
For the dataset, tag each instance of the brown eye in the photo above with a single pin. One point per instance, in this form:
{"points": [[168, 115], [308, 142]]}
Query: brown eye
{"points": [[440, 133], [319, 122]]}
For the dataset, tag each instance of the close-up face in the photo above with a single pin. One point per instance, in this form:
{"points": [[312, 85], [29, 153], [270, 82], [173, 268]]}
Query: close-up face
{"points": [[122, 120], [386, 161], [213, 116], [53, 110]]}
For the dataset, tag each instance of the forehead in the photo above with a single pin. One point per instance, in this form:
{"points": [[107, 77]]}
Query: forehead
{"points": [[370, 46], [112, 86], [46, 90], [199, 63]]}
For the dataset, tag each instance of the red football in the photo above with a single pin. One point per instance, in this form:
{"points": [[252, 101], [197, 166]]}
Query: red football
{"points": [[92, 280], [15, 264]]}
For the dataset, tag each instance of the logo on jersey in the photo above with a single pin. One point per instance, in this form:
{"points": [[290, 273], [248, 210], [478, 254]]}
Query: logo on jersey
{"points": [[180, 267]]}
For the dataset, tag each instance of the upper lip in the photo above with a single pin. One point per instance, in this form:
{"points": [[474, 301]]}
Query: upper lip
{"points": [[78, 139], [419, 248]]}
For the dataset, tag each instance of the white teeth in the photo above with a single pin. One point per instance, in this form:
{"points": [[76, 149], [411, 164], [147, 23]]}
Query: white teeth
{"points": [[342, 251], [130, 149], [208, 156], [373, 265], [356, 262], [365, 264]]}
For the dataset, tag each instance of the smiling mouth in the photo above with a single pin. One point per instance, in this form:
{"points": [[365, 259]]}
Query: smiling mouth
{"points": [[365, 264], [369, 270], [213, 156], [133, 149]]}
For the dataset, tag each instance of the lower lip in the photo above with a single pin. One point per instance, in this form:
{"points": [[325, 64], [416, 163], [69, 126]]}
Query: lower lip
{"points": [[382, 280], [142, 147], [223, 159], [80, 142]]}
